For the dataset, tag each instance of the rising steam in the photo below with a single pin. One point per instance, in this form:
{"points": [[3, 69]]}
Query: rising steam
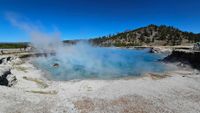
{"points": [[83, 60]]}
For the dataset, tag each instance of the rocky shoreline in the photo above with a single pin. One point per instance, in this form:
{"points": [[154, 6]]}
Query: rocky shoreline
{"points": [[31, 92], [187, 57]]}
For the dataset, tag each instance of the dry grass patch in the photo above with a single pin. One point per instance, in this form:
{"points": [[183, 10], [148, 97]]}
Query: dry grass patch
{"points": [[19, 68], [40, 82], [156, 76], [43, 92]]}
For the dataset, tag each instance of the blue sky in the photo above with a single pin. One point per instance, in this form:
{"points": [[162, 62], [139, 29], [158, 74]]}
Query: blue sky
{"points": [[83, 19]]}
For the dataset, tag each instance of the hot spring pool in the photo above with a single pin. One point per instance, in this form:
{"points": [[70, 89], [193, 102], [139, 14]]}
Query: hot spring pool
{"points": [[100, 63]]}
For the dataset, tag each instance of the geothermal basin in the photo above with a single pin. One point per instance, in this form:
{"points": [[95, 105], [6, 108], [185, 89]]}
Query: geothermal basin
{"points": [[87, 62]]}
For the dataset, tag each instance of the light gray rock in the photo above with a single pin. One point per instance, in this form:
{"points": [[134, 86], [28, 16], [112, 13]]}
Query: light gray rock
{"points": [[160, 50], [6, 77], [16, 61], [12, 80], [196, 46]]}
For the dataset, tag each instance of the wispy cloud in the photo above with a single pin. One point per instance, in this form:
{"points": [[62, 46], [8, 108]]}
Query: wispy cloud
{"points": [[21, 22]]}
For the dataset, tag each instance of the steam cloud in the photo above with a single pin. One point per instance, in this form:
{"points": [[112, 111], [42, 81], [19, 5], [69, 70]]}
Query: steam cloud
{"points": [[43, 42], [82, 60]]}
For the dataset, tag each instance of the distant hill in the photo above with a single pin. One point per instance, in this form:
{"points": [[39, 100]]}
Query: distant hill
{"points": [[150, 35]]}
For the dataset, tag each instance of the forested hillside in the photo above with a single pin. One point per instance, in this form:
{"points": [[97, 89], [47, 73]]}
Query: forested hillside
{"points": [[150, 35]]}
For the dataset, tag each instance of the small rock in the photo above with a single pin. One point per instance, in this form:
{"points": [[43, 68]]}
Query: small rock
{"points": [[56, 65], [154, 50]]}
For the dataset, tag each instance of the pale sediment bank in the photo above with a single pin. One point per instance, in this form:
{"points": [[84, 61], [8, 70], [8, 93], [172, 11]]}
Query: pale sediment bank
{"points": [[173, 92]]}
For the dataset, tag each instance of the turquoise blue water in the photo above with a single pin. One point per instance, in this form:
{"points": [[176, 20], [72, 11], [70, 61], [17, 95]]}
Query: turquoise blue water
{"points": [[101, 63]]}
